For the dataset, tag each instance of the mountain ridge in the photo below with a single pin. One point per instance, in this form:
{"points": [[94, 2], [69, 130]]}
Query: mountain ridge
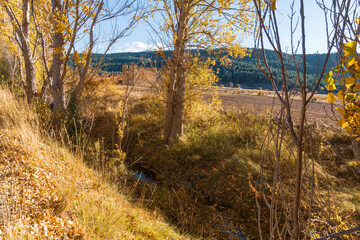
{"points": [[242, 71]]}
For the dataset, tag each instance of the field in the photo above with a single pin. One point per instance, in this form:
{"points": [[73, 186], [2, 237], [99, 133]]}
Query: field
{"points": [[259, 101]]}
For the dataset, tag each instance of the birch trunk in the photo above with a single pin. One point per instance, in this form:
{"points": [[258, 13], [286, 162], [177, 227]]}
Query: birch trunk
{"points": [[24, 36], [57, 86]]}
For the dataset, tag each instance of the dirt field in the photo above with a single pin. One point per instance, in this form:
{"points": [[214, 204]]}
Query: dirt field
{"points": [[252, 101], [261, 101]]}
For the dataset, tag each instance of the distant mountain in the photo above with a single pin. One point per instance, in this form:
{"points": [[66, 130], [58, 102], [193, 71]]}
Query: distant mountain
{"points": [[243, 71]]}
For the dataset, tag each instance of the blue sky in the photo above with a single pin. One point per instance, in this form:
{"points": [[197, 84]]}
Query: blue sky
{"points": [[140, 39]]}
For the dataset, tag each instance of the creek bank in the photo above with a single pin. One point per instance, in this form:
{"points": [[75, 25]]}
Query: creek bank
{"points": [[224, 224]]}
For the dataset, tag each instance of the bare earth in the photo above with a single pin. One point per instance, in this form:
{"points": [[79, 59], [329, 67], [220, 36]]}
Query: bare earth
{"points": [[262, 101], [318, 110]]}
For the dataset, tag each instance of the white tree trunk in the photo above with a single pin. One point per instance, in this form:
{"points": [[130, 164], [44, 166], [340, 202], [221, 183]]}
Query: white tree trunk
{"points": [[22, 35], [57, 86], [27, 54]]}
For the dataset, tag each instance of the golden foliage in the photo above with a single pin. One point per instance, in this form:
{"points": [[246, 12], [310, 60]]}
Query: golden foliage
{"points": [[206, 25], [347, 76]]}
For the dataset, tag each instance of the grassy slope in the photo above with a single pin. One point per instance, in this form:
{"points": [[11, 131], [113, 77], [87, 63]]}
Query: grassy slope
{"points": [[47, 192], [220, 153]]}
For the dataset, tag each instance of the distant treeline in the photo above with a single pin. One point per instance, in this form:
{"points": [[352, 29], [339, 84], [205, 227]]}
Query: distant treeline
{"points": [[242, 71]]}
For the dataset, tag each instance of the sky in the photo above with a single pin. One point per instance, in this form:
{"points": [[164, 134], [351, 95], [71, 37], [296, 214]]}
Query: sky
{"points": [[141, 38]]}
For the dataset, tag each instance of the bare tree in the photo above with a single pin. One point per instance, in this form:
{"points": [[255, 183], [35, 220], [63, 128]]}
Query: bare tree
{"points": [[269, 33]]}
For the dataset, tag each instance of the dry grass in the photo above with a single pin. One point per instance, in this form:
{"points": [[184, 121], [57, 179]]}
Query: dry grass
{"points": [[209, 171], [262, 92], [48, 193]]}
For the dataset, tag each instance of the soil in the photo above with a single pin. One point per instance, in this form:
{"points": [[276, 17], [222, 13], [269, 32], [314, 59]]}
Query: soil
{"points": [[320, 111], [262, 101]]}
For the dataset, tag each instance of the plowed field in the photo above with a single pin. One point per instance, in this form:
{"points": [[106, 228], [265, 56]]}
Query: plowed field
{"points": [[250, 101]]}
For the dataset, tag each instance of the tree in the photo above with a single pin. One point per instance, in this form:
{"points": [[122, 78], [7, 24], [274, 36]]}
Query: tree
{"points": [[9, 50], [190, 25], [76, 19], [269, 32], [20, 19], [344, 79]]}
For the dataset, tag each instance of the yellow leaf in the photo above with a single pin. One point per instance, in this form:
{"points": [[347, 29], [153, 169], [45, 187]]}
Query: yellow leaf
{"points": [[350, 48], [273, 4], [351, 62], [357, 67], [331, 98], [340, 94], [328, 77], [331, 87], [342, 113], [349, 81], [345, 125], [356, 87]]}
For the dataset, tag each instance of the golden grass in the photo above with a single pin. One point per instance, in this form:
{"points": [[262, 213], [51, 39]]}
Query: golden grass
{"points": [[48, 193]]}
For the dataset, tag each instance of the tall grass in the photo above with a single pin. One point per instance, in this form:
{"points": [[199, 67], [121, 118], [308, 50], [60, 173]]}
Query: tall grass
{"points": [[49, 193]]}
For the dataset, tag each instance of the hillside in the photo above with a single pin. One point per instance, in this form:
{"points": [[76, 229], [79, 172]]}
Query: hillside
{"points": [[205, 185], [47, 192], [243, 71]]}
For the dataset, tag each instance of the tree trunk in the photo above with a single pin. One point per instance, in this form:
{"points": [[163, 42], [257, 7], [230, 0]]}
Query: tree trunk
{"points": [[26, 52], [22, 35], [21, 75], [46, 86], [298, 184], [174, 114], [57, 86], [12, 69]]}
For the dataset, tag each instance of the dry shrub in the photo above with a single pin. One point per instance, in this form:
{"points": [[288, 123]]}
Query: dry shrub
{"points": [[198, 111], [105, 128], [102, 93]]}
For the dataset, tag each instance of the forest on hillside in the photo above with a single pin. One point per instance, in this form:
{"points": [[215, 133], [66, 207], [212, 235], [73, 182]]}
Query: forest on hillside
{"points": [[243, 71], [88, 152]]}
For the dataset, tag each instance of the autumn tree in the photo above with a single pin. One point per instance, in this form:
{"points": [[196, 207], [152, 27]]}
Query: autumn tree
{"points": [[9, 50], [190, 25], [268, 34], [343, 82], [76, 19], [20, 16]]}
